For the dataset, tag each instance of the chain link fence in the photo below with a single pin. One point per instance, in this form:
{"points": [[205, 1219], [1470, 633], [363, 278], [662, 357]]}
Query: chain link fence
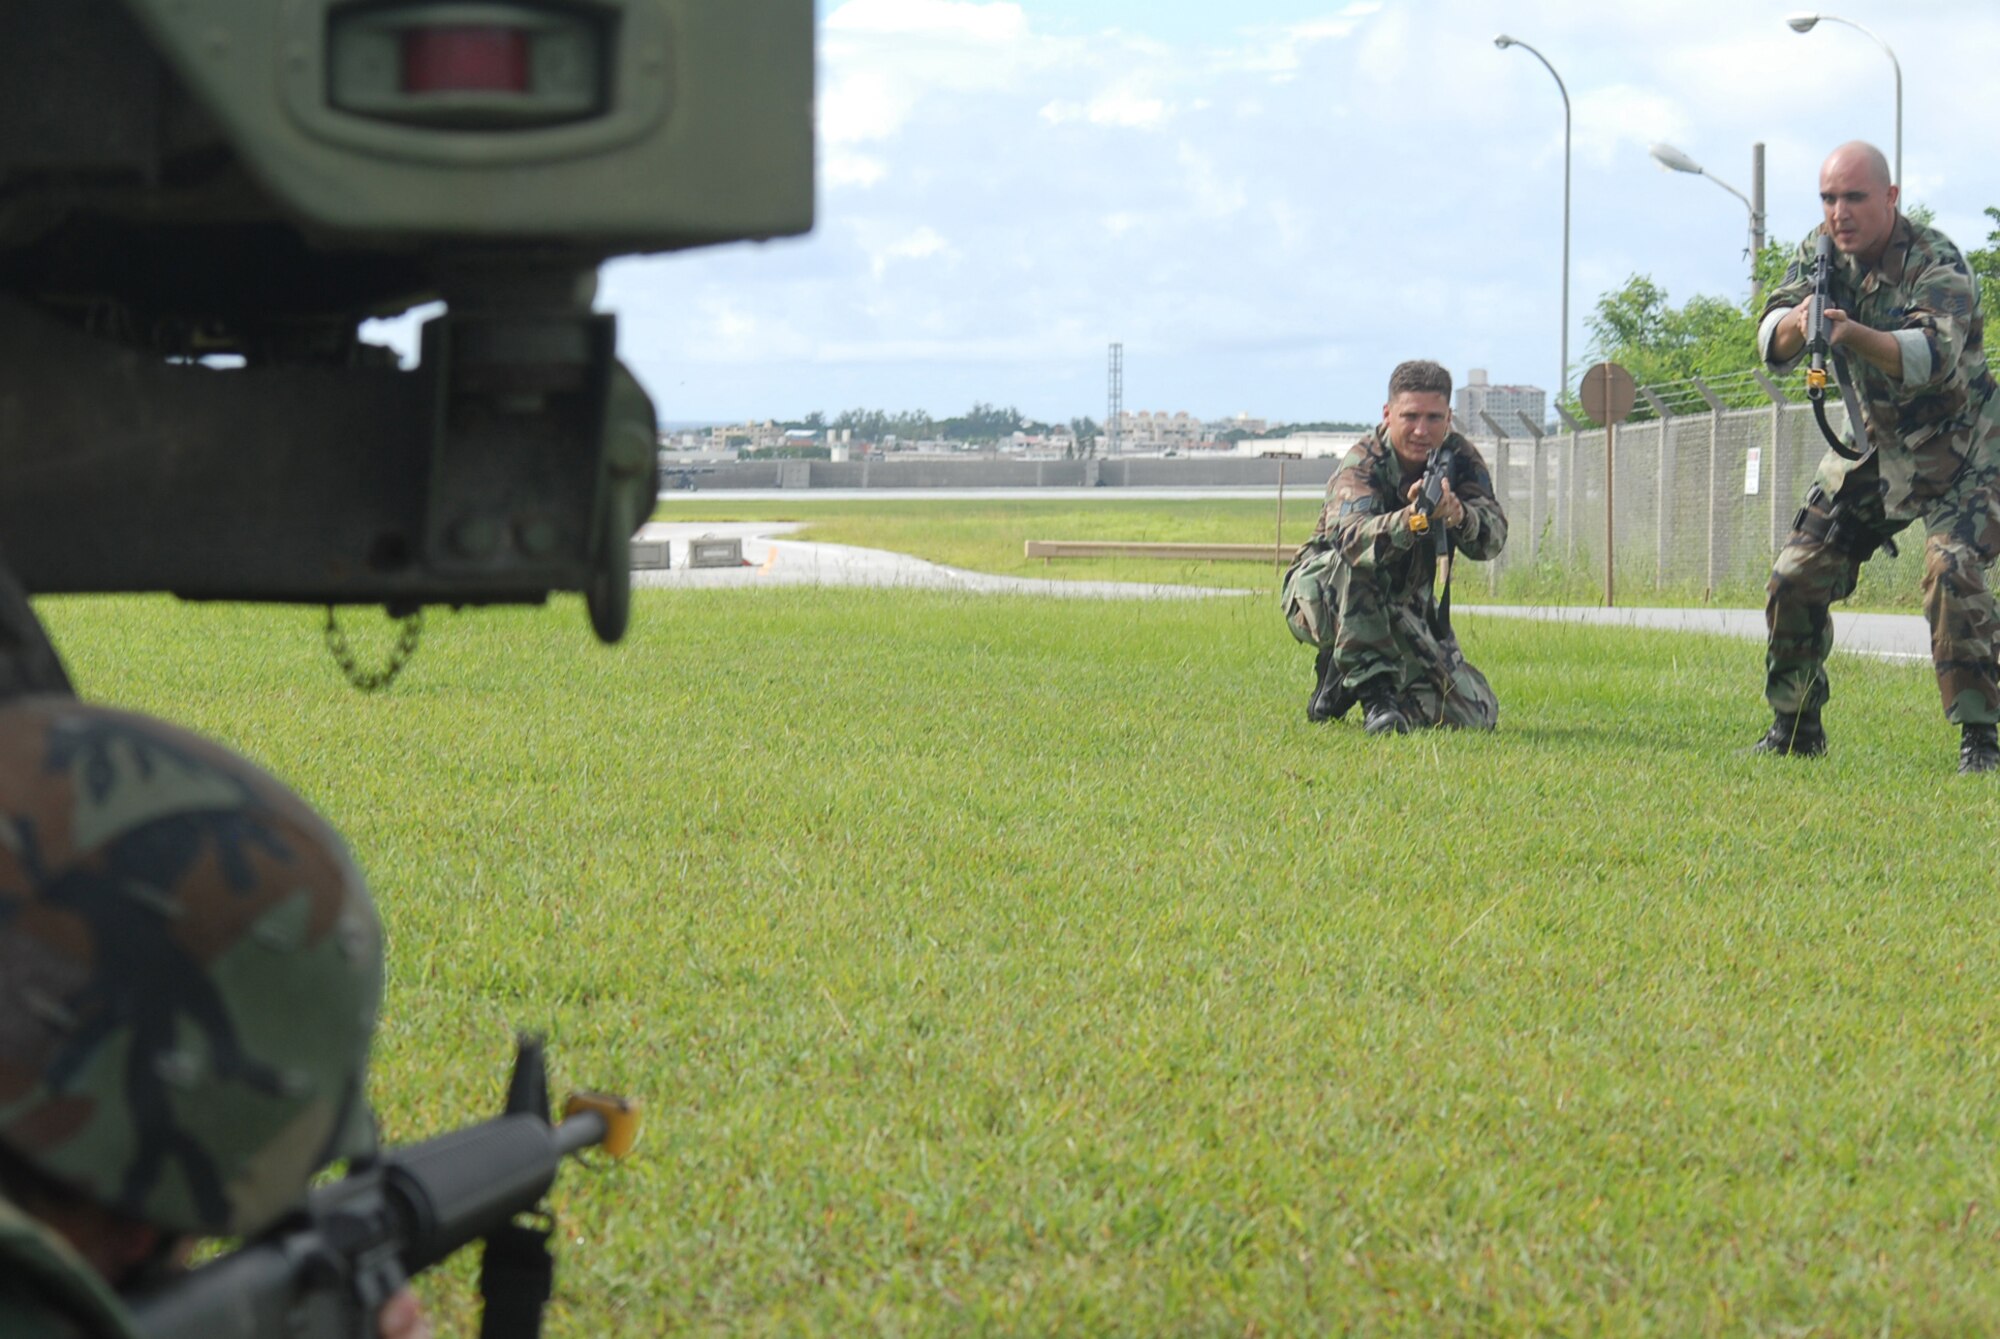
{"points": [[1702, 495]]}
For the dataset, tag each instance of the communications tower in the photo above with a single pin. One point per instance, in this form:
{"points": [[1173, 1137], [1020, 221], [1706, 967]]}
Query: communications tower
{"points": [[1114, 407]]}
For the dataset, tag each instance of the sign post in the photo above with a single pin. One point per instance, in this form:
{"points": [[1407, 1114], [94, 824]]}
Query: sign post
{"points": [[1607, 393]]}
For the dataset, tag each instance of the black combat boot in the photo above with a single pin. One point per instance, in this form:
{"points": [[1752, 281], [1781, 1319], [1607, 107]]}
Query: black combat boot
{"points": [[1385, 716], [1329, 701], [1979, 750], [1795, 733]]}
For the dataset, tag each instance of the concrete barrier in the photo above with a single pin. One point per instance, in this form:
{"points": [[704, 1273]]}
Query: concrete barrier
{"points": [[712, 552]]}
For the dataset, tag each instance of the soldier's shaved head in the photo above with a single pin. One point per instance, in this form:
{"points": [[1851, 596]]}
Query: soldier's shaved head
{"points": [[1865, 157], [1859, 200]]}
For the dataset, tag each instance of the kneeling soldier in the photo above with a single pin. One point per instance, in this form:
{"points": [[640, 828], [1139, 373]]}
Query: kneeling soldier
{"points": [[1362, 588]]}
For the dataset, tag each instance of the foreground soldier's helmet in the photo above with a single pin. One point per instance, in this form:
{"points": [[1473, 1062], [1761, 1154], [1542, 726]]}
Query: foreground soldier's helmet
{"points": [[190, 969]]}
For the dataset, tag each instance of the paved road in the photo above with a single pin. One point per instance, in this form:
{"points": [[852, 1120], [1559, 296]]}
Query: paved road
{"points": [[770, 561], [1889, 636]]}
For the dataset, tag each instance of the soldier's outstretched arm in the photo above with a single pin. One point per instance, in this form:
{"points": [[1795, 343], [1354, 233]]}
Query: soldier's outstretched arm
{"points": [[1367, 531], [1781, 340]]}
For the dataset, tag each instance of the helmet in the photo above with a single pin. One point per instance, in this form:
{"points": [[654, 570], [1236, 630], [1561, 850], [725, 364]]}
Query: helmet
{"points": [[190, 971]]}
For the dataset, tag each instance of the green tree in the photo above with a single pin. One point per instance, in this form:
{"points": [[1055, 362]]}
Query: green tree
{"points": [[1084, 428], [1985, 263], [983, 423], [1327, 425], [1665, 346]]}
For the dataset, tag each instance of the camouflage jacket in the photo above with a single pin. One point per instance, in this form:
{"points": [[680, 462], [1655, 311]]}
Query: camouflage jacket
{"points": [[1364, 520], [1927, 423], [47, 1291]]}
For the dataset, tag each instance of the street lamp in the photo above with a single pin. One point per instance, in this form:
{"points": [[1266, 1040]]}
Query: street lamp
{"points": [[1803, 23], [1667, 156], [1503, 41]]}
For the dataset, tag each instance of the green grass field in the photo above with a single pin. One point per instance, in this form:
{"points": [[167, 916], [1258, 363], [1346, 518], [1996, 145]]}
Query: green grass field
{"points": [[1017, 966], [987, 536]]}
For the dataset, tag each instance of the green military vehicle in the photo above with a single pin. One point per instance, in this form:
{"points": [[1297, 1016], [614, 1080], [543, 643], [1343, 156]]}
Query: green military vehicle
{"points": [[200, 202]]}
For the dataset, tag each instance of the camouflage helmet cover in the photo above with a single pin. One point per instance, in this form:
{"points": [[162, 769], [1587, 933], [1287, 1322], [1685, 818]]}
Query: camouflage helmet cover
{"points": [[190, 970]]}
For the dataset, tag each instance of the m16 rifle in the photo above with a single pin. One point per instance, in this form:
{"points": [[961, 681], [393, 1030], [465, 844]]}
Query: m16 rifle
{"points": [[1820, 353], [189, 187], [1438, 470], [324, 1271]]}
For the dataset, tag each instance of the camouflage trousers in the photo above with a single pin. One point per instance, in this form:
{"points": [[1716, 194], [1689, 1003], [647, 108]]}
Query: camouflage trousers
{"points": [[1821, 562], [1373, 625]]}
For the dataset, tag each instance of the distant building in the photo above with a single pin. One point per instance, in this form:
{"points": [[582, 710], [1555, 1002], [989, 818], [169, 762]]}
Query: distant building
{"points": [[1504, 403], [747, 436], [1145, 430]]}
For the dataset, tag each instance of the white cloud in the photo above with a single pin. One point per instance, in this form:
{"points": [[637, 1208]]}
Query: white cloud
{"points": [[1124, 108], [1280, 53], [1121, 108], [998, 22], [1618, 122], [861, 106], [851, 169], [1208, 189], [922, 244], [883, 60]]}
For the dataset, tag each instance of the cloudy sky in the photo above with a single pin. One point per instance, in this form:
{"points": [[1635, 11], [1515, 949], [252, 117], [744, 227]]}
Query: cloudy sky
{"points": [[1271, 202]]}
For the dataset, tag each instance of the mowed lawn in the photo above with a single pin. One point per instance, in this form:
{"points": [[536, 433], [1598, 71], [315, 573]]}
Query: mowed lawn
{"points": [[1017, 966]]}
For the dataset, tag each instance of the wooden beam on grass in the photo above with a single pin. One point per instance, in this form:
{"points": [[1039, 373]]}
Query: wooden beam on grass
{"points": [[1213, 553]]}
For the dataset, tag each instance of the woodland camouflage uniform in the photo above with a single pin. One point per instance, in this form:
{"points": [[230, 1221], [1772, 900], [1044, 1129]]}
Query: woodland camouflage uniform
{"points": [[1936, 433], [1361, 588]]}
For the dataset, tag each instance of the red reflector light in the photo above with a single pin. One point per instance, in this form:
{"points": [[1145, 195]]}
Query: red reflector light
{"points": [[482, 59]]}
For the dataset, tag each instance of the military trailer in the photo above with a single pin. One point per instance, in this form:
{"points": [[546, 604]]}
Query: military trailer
{"points": [[201, 201]]}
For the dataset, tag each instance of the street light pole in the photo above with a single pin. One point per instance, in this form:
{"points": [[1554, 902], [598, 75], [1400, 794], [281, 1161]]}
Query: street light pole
{"points": [[1803, 23], [1503, 42], [1667, 156], [1757, 215]]}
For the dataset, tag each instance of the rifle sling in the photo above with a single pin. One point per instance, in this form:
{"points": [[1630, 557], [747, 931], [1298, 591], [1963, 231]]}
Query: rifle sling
{"points": [[1855, 422], [516, 1278]]}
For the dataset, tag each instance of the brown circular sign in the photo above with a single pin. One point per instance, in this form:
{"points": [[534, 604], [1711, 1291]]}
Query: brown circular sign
{"points": [[1607, 393]]}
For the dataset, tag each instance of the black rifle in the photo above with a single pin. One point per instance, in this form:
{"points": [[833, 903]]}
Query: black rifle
{"points": [[326, 1269], [1820, 351], [1430, 496]]}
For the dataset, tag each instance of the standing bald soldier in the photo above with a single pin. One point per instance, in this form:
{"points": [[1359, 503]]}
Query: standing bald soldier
{"points": [[1905, 308]]}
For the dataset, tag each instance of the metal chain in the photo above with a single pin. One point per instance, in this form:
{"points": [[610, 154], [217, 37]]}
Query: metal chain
{"points": [[369, 681]]}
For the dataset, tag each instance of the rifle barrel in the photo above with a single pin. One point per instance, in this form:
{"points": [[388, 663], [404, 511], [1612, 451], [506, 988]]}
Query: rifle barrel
{"points": [[318, 1272]]}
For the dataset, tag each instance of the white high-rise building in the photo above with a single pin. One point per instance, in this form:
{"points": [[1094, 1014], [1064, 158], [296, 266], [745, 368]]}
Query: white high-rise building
{"points": [[1504, 403]]}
